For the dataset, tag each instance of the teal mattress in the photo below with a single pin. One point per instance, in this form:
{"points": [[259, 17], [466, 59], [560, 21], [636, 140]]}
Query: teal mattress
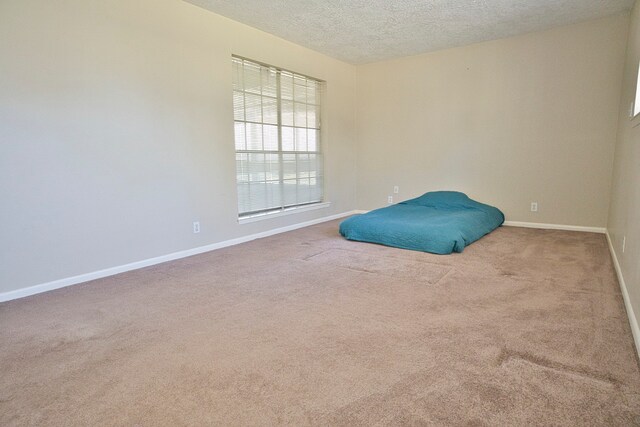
{"points": [[440, 222]]}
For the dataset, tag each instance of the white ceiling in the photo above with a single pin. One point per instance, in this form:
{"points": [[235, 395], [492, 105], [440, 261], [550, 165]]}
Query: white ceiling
{"points": [[361, 31]]}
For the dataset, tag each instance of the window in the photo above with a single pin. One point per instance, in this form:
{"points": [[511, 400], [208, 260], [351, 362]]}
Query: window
{"points": [[277, 138]]}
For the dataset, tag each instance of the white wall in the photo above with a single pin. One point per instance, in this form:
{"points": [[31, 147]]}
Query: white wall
{"points": [[624, 216], [116, 132], [528, 118]]}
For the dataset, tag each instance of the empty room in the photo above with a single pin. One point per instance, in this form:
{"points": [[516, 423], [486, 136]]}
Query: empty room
{"points": [[319, 212]]}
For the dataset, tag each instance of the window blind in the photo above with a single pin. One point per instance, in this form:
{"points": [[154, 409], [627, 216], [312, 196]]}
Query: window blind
{"points": [[277, 138]]}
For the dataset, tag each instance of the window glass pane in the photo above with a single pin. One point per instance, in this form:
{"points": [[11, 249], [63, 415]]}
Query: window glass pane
{"points": [[301, 139], [242, 174], [253, 107], [238, 105], [318, 164], [286, 108], [240, 136], [288, 140], [303, 166], [315, 178], [315, 189], [300, 117], [312, 139], [273, 195], [311, 92], [311, 116], [237, 75], [269, 82], [273, 167], [256, 167], [252, 78], [254, 136], [257, 196], [299, 89], [315, 162], [270, 138], [286, 86], [269, 110], [289, 192], [304, 191], [289, 166]]}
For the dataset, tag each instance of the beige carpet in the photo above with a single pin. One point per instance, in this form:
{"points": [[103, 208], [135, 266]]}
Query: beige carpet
{"points": [[526, 327]]}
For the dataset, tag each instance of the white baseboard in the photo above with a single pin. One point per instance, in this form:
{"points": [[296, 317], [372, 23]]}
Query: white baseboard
{"points": [[69, 281], [633, 320], [600, 230]]}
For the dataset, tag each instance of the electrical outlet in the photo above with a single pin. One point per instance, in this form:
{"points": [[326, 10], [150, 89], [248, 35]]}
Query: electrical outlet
{"points": [[396, 189], [196, 227], [534, 206], [390, 199], [624, 243]]}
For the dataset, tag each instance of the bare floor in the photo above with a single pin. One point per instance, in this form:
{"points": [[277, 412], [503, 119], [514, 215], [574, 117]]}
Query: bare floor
{"points": [[524, 327]]}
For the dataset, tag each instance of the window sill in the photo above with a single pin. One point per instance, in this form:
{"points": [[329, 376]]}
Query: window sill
{"points": [[285, 212]]}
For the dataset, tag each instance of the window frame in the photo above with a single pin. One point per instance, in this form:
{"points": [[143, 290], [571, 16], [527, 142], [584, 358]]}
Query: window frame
{"points": [[314, 156]]}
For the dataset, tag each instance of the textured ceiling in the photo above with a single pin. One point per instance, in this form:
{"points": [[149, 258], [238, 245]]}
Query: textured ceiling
{"points": [[360, 31]]}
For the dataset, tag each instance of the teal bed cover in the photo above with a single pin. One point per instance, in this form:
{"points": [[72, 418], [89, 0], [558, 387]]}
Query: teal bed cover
{"points": [[440, 222]]}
